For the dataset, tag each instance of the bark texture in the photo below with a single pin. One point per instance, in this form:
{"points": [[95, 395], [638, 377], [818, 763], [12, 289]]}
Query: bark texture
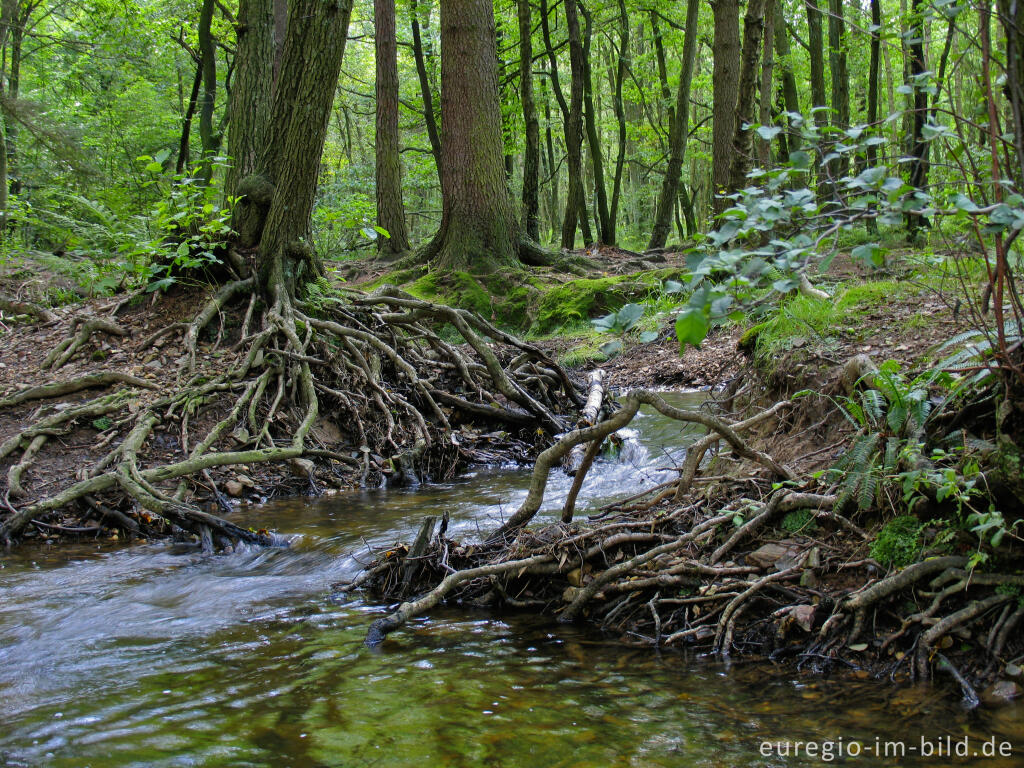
{"points": [[531, 151], [725, 86], [390, 211], [478, 229]]}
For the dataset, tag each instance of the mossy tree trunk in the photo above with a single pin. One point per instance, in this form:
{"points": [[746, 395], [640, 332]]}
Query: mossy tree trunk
{"points": [[753, 31], [390, 211], [478, 230]]}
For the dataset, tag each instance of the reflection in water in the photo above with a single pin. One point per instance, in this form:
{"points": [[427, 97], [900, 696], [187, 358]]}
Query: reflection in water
{"points": [[159, 656]]}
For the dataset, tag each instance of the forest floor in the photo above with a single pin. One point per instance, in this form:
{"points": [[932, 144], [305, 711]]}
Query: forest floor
{"points": [[734, 562]]}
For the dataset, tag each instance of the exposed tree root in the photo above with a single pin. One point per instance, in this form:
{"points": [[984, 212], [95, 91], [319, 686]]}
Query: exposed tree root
{"points": [[386, 366], [690, 574]]}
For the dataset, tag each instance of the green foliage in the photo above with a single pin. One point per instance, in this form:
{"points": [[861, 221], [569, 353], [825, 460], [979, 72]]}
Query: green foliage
{"points": [[898, 544], [103, 423]]}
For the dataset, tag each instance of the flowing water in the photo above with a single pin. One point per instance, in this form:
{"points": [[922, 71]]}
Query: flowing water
{"points": [[161, 656]]}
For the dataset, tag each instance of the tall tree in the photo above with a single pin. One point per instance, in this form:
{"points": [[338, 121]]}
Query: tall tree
{"points": [[531, 151], [918, 145], [679, 119], [207, 100], [819, 100], [575, 205], [605, 229], [390, 211], [277, 198], [753, 31], [249, 103], [725, 87], [426, 94], [840, 75], [478, 229], [790, 95]]}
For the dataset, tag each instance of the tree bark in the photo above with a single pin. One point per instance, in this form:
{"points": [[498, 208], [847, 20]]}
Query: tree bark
{"points": [[678, 131], [753, 32], [819, 100], [390, 211], [249, 104], [840, 77], [186, 125], [208, 98], [531, 150], [478, 230], [620, 118], [725, 88], [290, 161], [764, 153]]}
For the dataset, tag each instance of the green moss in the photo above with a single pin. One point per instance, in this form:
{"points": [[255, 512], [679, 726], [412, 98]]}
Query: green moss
{"points": [[798, 520], [899, 542], [578, 300]]}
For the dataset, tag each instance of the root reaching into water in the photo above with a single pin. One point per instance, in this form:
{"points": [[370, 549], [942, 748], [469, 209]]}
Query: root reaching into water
{"points": [[354, 388], [693, 564]]}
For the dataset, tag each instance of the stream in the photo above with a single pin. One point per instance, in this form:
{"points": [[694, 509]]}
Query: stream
{"points": [[157, 655]]}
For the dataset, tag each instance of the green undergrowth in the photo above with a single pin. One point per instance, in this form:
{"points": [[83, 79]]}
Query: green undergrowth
{"points": [[823, 323]]}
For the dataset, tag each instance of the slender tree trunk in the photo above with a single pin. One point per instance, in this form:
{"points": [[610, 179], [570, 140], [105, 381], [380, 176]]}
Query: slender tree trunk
{"points": [[918, 148], [208, 98], [725, 87], [753, 33], [575, 201], [390, 211], [873, 67], [552, 170], [478, 227], [764, 153], [819, 101], [605, 229], [531, 151], [14, 93], [840, 77], [186, 126], [620, 117], [678, 132], [426, 94], [249, 105], [790, 95]]}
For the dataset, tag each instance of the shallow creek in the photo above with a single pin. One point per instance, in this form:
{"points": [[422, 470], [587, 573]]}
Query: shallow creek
{"points": [[159, 656]]}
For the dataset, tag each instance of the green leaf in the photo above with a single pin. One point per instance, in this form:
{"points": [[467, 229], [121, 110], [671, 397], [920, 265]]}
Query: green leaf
{"points": [[605, 323], [611, 348], [871, 254], [691, 328], [648, 336], [768, 132], [629, 315], [673, 286]]}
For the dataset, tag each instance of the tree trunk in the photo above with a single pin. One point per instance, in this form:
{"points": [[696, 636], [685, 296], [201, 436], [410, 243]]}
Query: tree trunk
{"points": [[207, 99], [819, 100], [478, 228], [575, 201], [390, 211], [554, 212], [876, 44], [531, 151], [249, 104], [606, 233], [918, 148], [425, 92], [790, 95], [753, 33], [620, 118], [840, 77], [764, 153], [14, 92], [186, 127], [290, 161], [725, 88], [678, 132]]}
